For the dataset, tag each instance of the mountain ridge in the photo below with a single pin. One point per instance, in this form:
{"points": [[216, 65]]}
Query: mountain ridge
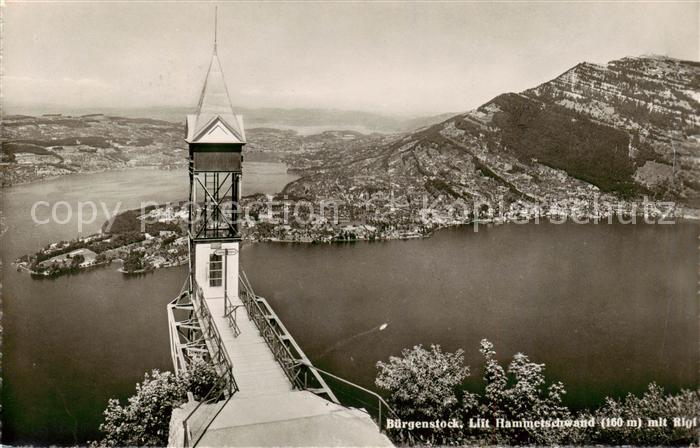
{"points": [[626, 129]]}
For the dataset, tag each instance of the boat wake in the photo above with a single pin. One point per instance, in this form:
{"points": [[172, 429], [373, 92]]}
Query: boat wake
{"points": [[346, 341]]}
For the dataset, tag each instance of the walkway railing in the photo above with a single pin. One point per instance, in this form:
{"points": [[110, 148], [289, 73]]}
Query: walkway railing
{"points": [[377, 407], [181, 328], [286, 351], [194, 335], [230, 314], [198, 420], [306, 376], [219, 356]]}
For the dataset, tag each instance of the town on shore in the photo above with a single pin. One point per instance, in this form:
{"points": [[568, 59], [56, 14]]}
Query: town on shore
{"points": [[142, 240]]}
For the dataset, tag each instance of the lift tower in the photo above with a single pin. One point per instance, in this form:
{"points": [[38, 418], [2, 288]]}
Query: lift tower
{"points": [[206, 306], [216, 138]]}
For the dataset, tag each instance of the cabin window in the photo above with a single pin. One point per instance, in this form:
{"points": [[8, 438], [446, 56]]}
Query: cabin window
{"points": [[216, 270]]}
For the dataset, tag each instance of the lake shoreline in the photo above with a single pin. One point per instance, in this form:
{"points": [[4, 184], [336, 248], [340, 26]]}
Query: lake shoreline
{"points": [[91, 172], [608, 220]]}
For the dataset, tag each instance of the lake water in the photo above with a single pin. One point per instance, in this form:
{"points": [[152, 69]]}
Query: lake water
{"points": [[70, 343], [608, 308]]}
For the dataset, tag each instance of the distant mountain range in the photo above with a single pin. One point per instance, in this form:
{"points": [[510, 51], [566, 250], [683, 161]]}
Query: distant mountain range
{"points": [[629, 128], [305, 121]]}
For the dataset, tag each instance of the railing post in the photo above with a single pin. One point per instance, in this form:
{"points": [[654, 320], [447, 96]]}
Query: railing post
{"points": [[185, 442]]}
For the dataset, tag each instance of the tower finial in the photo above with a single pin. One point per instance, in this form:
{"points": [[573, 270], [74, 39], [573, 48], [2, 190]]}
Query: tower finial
{"points": [[216, 20]]}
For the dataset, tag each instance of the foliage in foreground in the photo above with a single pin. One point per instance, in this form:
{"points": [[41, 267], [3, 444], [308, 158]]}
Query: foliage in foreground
{"points": [[653, 404], [422, 385], [145, 419], [427, 385]]}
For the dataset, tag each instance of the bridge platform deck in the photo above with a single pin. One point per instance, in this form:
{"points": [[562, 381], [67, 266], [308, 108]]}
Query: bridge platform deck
{"points": [[267, 410]]}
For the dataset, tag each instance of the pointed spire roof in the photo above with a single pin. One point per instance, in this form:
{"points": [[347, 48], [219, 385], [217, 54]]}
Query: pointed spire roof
{"points": [[215, 121]]}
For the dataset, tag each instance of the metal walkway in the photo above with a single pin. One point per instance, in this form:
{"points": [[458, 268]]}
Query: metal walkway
{"points": [[256, 370], [275, 396]]}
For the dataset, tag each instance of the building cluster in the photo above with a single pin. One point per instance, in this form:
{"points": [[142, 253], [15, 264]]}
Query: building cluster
{"points": [[135, 251], [53, 145]]}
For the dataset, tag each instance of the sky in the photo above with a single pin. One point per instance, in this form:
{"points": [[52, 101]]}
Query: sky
{"points": [[400, 58]]}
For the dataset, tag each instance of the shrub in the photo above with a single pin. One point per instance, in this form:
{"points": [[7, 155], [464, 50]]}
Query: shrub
{"points": [[423, 385], [200, 379], [145, 419], [654, 404], [519, 394]]}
